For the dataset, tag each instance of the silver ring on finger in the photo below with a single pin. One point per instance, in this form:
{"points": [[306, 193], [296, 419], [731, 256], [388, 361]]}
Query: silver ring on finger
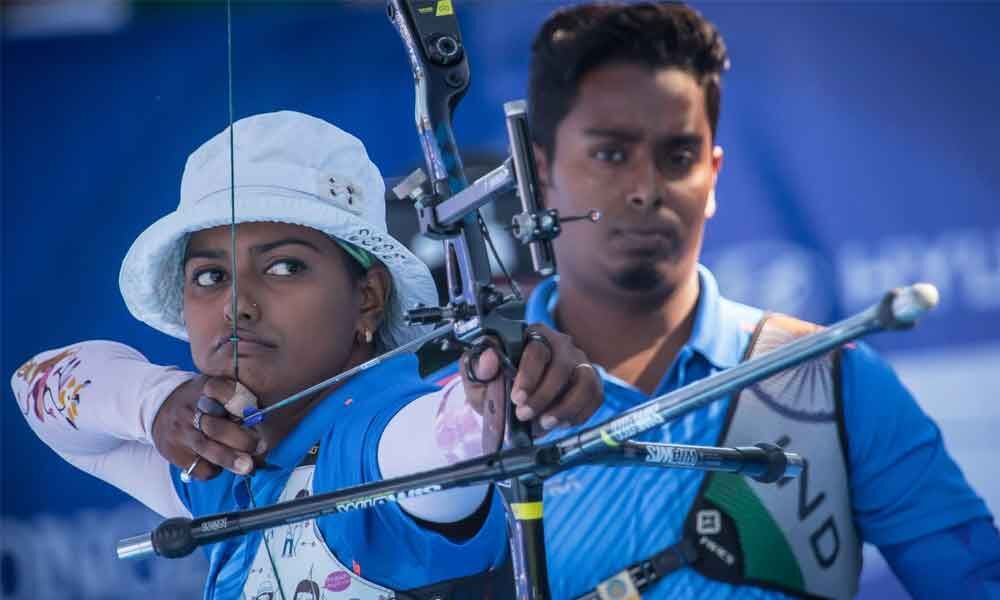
{"points": [[186, 474], [586, 365], [534, 336], [198, 413]]}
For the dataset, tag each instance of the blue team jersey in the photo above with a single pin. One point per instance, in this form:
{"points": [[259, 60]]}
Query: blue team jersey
{"points": [[382, 544], [599, 520]]}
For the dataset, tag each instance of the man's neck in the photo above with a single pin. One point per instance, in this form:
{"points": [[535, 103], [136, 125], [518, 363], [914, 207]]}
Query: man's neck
{"points": [[634, 342]]}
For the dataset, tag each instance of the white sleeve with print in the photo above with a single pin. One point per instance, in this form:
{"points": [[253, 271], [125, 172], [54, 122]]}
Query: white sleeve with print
{"points": [[94, 403], [435, 430]]}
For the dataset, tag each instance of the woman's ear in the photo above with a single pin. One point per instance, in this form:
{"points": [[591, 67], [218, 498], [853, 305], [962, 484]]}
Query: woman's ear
{"points": [[376, 288]]}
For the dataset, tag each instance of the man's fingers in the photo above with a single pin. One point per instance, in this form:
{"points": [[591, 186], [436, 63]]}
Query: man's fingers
{"points": [[533, 369], [549, 391], [577, 404]]}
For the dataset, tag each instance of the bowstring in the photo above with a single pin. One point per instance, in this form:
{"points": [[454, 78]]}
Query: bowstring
{"points": [[235, 338]]}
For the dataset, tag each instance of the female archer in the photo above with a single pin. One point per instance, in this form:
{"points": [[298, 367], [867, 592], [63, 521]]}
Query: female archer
{"points": [[280, 281]]}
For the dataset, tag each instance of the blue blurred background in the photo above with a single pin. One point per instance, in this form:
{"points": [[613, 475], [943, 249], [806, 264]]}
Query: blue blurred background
{"points": [[860, 148]]}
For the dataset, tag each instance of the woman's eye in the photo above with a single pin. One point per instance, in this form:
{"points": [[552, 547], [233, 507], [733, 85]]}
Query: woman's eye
{"points": [[208, 277], [284, 268], [612, 155]]}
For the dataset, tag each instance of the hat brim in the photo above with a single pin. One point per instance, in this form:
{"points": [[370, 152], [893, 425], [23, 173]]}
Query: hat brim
{"points": [[151, 277]]}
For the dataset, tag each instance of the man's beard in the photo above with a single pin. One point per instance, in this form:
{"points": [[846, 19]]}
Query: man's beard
{"points": [[640, 277]]}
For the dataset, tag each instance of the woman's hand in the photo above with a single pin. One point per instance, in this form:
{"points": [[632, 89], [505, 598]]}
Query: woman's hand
{"points": [[555, 385], [218, 442]]}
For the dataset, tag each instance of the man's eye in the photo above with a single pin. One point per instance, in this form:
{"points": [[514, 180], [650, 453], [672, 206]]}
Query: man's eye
{"points": [[284, 268], [612, 155], [681, 159], [208, 277]]}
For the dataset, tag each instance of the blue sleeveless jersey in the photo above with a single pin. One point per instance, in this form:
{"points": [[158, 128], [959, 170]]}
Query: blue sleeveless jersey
{"points": [[381, 544]]}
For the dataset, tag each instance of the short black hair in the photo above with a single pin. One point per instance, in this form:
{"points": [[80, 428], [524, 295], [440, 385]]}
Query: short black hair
{"points": [[579, 39]]}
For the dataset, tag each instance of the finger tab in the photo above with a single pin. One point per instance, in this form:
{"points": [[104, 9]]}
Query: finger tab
{"points": [[241, 400], [210, 407]]}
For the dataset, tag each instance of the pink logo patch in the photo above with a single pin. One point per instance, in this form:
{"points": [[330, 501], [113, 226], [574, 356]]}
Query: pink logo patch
{"points": [[338, 581]]}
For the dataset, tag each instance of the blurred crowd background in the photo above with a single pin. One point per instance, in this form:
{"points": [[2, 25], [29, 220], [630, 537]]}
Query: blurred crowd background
{"points": [[860, 154]]}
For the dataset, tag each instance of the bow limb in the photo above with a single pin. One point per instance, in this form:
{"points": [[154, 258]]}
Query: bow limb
{"points": [[441, 75]]}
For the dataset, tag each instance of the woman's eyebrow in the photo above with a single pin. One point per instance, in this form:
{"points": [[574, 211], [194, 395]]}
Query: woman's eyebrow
{"points": [[262, 248], [210, 254], [215, 254]]}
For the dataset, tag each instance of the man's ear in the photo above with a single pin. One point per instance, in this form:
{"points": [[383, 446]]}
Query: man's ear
{"points": [[541, 166], [710, 205], [375, 288]]}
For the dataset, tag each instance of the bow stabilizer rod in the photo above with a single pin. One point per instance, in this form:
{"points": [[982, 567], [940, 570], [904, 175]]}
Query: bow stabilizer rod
{"points": [[899, 309]]}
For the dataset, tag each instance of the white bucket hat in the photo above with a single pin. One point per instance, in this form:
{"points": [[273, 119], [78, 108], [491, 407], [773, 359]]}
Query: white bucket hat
{"points": [[290, 168]]}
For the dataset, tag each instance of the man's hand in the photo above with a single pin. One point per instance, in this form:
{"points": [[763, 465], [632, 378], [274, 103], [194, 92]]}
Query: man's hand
{"points": [[555, 385], [221, 443]]}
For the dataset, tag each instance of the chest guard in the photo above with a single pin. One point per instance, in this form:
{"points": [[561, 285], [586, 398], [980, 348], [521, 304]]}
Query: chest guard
{"points": [[796, 536], [304, 568]]}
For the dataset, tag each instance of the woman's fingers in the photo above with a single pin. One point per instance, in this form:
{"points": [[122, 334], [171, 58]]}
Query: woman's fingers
{"points": [[231, 435], [216, 453], [183, 432]]}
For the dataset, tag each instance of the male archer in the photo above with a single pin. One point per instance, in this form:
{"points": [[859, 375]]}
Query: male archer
{"points": [[623, 104]]}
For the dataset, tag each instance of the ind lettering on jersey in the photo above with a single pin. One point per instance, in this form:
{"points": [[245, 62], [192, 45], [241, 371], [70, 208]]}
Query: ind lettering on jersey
{"points": [[824, 539]]}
